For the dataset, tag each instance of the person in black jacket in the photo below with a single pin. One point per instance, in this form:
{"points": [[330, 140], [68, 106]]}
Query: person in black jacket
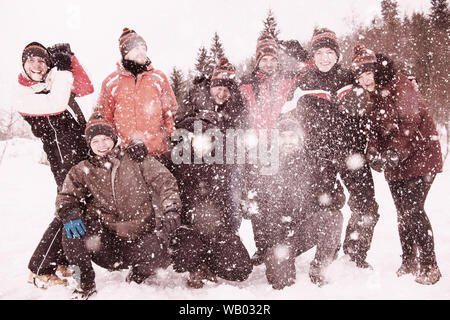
{"points": [[207, 245], [332, 144], [291, 225], [45, 97]]}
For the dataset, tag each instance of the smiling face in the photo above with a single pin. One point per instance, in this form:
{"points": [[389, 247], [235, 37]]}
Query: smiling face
{"points": [[367, 81], [268, 64], [36, 68], [101, 144], [220, 94], [325, 59], [138, 54]]}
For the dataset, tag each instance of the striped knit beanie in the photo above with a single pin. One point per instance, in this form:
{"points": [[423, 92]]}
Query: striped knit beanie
{"points": [[363, 60], [129, 40], [96, 125], [266, 45], [324, 38], [223, 74], [35, 49]]}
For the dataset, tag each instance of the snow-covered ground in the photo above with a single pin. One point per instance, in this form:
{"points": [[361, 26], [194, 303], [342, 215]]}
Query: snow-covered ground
{"points": [[28, 192]]}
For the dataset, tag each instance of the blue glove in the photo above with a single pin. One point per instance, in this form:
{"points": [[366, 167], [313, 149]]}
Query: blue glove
{"points": [[76, 227]]}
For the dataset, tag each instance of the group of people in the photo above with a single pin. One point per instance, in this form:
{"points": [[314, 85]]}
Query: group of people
{"points": [[123, 202]]}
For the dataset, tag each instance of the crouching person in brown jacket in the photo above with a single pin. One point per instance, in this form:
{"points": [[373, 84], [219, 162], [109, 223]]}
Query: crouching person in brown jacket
{"points": [[108, 213]]}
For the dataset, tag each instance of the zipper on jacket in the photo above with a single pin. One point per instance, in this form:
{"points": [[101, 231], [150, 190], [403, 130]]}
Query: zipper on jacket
{"points": [[115, 163], [56, 139]]}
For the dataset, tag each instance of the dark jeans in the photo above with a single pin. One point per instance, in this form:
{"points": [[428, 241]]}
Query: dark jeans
{"points": [[223, 253], [413, 225], [144, 255]]}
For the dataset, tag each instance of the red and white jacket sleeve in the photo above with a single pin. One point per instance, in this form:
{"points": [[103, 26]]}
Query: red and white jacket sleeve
{"points": [[82, 85], [59, 85]]}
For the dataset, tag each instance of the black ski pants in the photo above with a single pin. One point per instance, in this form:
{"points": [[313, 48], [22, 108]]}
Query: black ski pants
{"points": [[414, 227], [144, 255], [224, 253], [49, 253]]}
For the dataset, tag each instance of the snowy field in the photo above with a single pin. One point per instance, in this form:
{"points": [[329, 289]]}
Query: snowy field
{"points": [[28, 192]]}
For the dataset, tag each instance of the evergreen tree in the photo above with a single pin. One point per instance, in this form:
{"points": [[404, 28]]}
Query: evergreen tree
{"points": [[178, 84], [204, 65], [440, 16], [216, 50], [270, 25], [392, 29], [389, 11]]}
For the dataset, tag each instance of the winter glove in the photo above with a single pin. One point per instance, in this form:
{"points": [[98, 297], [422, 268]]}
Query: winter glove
{"points": [[294, 49], [376, 161], [170, 221], [137, 150], [392, 158], [75, 227], [61, 56]]}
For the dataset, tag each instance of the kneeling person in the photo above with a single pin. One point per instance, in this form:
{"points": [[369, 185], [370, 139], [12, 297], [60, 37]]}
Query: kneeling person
{"points": [[107, 208]]}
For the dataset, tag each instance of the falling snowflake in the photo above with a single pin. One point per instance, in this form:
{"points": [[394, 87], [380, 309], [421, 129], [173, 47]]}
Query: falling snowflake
{"points": [[325, 199], [355, 161], [354, 235], [281, 252], [93, 243]]}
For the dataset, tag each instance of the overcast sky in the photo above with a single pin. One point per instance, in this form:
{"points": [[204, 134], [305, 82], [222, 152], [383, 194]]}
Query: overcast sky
{"points": [[173, 29]]}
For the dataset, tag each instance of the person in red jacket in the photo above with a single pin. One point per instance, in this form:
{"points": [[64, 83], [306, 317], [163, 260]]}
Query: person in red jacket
{"points": [[45, 98], [265, 91], [403, 142], [137, 99]]}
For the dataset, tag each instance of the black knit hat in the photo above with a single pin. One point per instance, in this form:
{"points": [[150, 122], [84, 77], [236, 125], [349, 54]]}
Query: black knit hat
{"points": [[128, 40], [223, 74], [96, 125], [266, 45], [363, 60], [35, 49], [324, 38]]}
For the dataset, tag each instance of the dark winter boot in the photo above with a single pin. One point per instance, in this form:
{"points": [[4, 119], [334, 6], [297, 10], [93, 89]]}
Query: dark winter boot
{"points": [[86, 287], [360, 262], [280, 267], [428, 276], [409, 265], [258, 257], [86, 283], [134, 276], [85, 292], [316, 274], [198, 277]]}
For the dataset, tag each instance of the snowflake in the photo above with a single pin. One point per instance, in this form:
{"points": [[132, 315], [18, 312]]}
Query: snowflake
{"points": [[93, 243], [354, 235], [325, 199], [355, 161], [281, 252], [86, 170]]}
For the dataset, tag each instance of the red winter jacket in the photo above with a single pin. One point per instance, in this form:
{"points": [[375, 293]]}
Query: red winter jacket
{"points": [[400, 120], [265, 96], [140, 108]]}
